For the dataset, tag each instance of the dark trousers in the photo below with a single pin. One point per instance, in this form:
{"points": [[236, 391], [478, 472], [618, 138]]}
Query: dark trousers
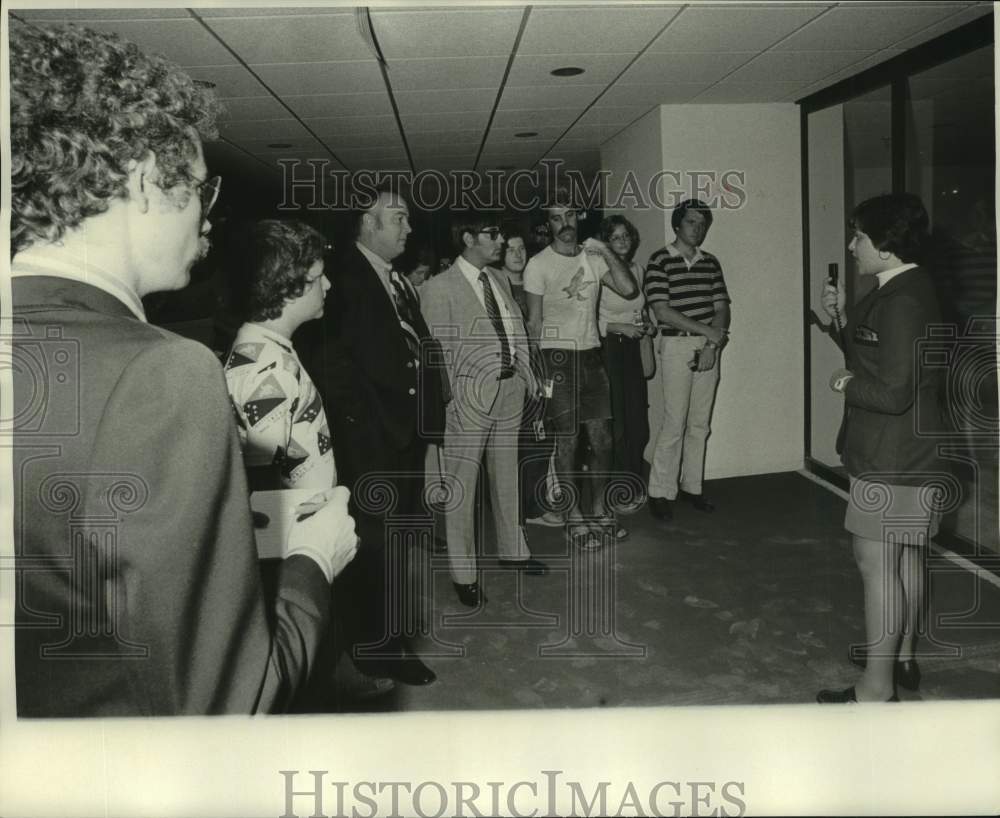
{"points": [[375, 597], [629, 402], [533, 458]]}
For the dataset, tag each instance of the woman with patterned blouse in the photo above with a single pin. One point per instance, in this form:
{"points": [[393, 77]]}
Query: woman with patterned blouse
{"points": [[279, 414]]}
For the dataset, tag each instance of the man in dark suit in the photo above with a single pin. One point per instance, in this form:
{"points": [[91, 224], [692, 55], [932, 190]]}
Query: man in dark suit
{"points": [[138, 590], [384, 401]]}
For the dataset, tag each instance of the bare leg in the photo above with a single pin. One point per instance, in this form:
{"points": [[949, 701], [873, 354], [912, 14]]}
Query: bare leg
{"points": [[878, 562], [565, 466], [913, 574]]}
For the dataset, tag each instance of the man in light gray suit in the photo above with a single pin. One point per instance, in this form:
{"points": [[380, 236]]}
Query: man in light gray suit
{"points": [[470, 309]]}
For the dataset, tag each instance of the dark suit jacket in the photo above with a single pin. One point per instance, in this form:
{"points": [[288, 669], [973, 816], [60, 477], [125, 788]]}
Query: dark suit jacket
{"points": [[361, 363], [892, 390], [139, 587]]}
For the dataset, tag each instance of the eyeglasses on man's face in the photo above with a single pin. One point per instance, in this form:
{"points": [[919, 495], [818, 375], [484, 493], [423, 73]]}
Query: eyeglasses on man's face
{"points": [[208, 192], [493, 232]]}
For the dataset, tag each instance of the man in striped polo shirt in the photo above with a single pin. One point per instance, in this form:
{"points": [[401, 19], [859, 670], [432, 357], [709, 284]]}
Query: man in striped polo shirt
{"points": [[685, 288]]}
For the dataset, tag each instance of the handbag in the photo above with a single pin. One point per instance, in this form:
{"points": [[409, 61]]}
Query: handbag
{"points": [[648, 356]]}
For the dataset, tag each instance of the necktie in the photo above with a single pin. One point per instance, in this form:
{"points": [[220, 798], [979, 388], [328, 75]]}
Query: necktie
{"points": [[405, 309], [493, 311]]}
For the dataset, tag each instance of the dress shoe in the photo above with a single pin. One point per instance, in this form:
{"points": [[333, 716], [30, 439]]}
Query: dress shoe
{"points": [[905, 673], [661, 508], [470, 595], [699, 501], [409, 670], [847, 696], [535, 568]]}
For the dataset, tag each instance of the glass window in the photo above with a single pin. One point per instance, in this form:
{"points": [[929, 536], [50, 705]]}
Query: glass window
{"points": [[951, 164]]}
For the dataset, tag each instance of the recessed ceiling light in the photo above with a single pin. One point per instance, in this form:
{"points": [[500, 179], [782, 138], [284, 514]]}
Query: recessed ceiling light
{"points": [[279, 144], [568, 71], [204, 84], [526, 134]]}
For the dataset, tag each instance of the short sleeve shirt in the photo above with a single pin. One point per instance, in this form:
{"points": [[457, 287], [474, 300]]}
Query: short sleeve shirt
{"points": [[279, 414], [570, 287], [692, 288]]}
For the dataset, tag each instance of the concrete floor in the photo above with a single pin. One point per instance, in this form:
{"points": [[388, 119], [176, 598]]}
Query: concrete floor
{"points": [[755, 604]]}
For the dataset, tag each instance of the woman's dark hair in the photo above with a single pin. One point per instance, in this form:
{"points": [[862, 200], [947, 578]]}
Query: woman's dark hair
{"points": [[896, 223], [611, 223], [84, 104], [271, 267], [691, 204]]}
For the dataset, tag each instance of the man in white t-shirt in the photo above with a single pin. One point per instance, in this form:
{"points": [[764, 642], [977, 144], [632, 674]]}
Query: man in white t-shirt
{"points": [[561, 285]]}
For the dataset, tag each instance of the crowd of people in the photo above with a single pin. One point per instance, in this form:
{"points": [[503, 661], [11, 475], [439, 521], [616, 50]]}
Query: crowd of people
{"points": [[528, 374]]}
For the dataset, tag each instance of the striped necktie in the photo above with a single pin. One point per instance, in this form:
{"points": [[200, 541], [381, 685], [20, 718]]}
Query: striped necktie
{"points": [[406, 309], [493, 311]]}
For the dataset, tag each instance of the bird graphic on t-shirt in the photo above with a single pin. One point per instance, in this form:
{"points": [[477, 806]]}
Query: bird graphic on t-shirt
{"points": [[576, 286]]}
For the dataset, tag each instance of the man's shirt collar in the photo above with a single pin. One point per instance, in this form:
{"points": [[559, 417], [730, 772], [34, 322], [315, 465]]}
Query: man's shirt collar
{"points": [[41, 261]]}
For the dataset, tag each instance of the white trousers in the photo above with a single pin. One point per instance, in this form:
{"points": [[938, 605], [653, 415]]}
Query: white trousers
{"points": [[688, 398]]}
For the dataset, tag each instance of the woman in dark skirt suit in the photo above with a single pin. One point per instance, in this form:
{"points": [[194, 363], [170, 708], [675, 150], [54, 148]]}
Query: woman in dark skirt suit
{"points": [[894, 471]]}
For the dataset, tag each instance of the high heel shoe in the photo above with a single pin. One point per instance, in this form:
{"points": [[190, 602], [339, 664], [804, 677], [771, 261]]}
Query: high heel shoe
{"points": [[906, 673]]}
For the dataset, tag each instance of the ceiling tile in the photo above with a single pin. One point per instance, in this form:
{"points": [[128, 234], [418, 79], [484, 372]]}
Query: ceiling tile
{"points": [[472, 120], [747, 92], [594, 133], [321, 77], [937, 29], [554, 96], [418, 139], [382, 140], [593, 29], [318, 38], [860, 26], [230, 80], [700, 28], [437, 101], [301, 146], [371, 103], [548, 133], [240, 108], [809, 66], [613, 115], [263, 129], [78, 15], [691, 66], [531, 118], [346, 125], [264, 11], [650, 94], [443, 73], [182, 41], [869, 62], [535, 69], [455, 32]]}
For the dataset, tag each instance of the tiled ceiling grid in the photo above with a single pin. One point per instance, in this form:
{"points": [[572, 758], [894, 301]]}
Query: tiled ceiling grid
{"points": [[451, 87]]}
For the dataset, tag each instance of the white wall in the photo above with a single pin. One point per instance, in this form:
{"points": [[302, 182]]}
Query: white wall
{"points": [[758, 420]]}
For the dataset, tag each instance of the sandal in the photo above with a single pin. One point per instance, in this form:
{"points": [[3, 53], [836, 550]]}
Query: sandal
{"points": [[608, 522], [582, 535]]}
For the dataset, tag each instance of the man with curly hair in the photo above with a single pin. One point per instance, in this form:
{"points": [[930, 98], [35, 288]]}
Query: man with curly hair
{"points": [[279, 414], [139, 590]]}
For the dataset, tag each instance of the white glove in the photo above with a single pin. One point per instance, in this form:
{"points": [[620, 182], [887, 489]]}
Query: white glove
{"points": [[326, 535]]}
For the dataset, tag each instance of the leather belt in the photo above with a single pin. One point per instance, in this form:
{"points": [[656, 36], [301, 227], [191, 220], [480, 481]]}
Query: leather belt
{"points": [[677, 332]]}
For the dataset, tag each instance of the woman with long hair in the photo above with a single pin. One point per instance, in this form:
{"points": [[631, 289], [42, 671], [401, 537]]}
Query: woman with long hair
{"points": [[623, 322]]}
